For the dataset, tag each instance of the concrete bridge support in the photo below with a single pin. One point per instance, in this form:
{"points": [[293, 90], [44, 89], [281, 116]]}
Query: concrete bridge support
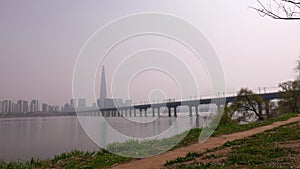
{"points": [[191, 110], [170, 110], [130, 113], [141, 111], [175, 111], [158, 111]]}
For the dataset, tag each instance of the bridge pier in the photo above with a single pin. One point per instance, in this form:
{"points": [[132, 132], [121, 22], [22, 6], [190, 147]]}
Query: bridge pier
{"points": [[145, 112], [219, 107], [134, 112], [191, 111], [153, 112], [170, 111]]}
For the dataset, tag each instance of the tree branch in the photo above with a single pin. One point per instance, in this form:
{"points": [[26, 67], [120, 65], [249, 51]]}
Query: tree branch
{"points": [[286, 9]]}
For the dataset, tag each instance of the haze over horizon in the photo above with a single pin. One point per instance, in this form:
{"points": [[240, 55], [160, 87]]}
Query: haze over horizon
{"points": [[40, 42]]}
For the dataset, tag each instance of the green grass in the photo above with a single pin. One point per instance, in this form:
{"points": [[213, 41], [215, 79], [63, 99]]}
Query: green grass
{"points": [[234, 127], [71, 160], [190, 156], [258, 151], [104, 159]]}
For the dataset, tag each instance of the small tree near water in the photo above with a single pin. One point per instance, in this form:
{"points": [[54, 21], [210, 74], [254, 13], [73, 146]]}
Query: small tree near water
{"points": [[290, 96], [290, 93], [248, 102]]}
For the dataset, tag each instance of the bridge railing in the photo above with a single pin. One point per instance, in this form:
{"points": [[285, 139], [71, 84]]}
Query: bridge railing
{"points": [[258, 90]]}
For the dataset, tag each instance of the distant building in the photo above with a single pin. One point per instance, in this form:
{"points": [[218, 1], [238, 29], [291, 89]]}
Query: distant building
{"points": [[66, 107], [19, 106], [1, 107], [118, 102], [53, 108], [128, 102], [73, 104], [22, 106], [81, 103], [15, 107], [108, 103], [45, 107], [7, 106], [50, 108], [25, 106], [94, 106], [34, 106], [57, 109]]}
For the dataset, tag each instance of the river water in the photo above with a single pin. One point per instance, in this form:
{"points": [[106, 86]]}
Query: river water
{"points": [[44, 137]]}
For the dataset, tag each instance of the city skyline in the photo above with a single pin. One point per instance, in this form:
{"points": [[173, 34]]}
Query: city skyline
{"points": [[23, 106]]}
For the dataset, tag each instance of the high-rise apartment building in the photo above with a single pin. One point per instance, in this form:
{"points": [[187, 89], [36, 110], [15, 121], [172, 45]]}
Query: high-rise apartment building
{"points": [[22, 106], [45, 107], [34, 106], [7, 106]]}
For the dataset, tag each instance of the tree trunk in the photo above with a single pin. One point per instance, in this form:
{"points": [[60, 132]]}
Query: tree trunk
{"points": [[267, 108]]}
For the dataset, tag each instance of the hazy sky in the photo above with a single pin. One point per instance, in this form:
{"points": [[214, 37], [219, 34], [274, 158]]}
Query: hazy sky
{"points": [[40, 41]]}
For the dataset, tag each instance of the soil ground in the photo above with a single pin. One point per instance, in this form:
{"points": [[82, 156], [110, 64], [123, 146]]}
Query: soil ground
{"points": [[213, 142]]}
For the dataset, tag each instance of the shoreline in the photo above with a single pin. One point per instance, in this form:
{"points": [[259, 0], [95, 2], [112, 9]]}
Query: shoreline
{"points": [[36, 114]]}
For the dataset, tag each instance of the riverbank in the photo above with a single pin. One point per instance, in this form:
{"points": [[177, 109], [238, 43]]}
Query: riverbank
{"points": [[36, 114], [104, 159], [278, 147]]}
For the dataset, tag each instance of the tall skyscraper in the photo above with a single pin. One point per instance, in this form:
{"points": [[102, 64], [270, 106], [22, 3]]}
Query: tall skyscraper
{"points": [[103, 94]]}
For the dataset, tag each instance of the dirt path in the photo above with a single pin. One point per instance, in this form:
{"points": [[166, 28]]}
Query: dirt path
{"points": [[159, 160]]}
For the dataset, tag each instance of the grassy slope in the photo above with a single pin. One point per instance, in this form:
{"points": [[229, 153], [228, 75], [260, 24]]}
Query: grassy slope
{"points": [[103, 159], [271, 149]]}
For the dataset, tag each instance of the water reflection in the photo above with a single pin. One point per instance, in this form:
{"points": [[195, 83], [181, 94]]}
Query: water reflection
{"points": [[45, 137]]}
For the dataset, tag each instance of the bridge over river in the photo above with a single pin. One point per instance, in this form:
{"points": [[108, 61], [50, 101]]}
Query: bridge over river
{"points": [[170, 105]]}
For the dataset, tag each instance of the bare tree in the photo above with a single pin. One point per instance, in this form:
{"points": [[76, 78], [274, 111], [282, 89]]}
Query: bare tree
{"points": [[279, 9]]}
